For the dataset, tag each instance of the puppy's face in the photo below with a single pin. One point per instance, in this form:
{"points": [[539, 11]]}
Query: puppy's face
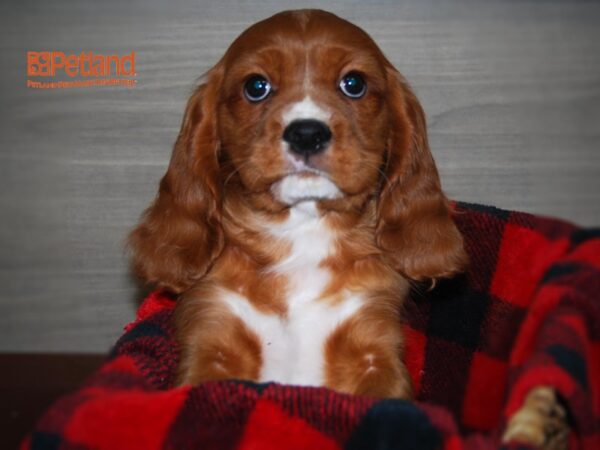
{"points": [[303, 106], [303, 111]]}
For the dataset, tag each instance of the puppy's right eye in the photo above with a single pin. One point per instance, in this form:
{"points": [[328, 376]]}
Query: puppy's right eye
{"points": [[257, 88]]}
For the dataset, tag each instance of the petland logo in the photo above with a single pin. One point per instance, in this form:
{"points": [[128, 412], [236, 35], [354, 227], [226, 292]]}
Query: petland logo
{"points": [[91, 69]]}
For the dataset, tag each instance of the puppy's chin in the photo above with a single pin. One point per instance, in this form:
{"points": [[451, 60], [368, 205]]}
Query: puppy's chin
{"points": [[304, 186]]}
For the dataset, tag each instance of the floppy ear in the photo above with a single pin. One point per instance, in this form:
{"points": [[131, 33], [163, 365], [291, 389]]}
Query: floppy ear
{"points": [[414, 223], [180, 235]]}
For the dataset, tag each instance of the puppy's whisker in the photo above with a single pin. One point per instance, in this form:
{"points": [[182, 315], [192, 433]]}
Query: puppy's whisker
{"points": [[386, 180], [417, 289], [235, 171], [378, 169]]}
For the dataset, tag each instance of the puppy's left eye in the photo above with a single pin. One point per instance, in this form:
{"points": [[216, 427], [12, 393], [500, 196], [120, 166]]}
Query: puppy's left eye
{"points": [[257, 88], [353, 85]]}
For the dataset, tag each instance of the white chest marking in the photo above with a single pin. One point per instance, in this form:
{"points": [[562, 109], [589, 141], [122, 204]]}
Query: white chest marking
{"points": [[293, 347]]}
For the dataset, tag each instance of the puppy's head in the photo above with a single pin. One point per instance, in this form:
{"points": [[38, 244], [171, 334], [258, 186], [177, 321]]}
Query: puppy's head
{"points": [[304, 112], [302, 107]]}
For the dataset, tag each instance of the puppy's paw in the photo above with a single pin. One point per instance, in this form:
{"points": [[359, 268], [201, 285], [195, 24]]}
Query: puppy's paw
{"points": [[541, 421]]}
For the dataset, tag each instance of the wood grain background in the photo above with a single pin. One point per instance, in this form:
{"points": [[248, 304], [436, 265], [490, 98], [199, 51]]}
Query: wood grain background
{"points": [[511, 91]]}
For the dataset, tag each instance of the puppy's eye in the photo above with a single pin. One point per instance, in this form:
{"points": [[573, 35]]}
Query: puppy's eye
{"points": [[257, 88], [353, 85]]}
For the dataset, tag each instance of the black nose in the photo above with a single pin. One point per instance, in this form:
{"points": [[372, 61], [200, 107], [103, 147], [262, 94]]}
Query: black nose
{"points": [[307, 137]]}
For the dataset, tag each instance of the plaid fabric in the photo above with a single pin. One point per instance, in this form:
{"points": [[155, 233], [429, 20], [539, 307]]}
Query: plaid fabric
{"points": [[526, 314]]}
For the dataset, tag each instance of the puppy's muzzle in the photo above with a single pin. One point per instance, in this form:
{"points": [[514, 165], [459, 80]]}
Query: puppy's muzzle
{"points": [[307, 137]]}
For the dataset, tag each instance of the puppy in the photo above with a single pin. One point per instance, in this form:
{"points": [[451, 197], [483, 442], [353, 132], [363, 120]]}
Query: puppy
{"points": [[300, 202]]}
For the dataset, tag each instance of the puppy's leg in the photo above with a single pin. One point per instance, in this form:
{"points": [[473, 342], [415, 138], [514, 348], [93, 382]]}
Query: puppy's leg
{"points": [[541, 421], [215, 345], [364, 359]]}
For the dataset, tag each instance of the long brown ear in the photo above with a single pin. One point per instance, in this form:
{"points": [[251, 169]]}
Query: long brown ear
{"points": [[414, 220], [179, 235]]}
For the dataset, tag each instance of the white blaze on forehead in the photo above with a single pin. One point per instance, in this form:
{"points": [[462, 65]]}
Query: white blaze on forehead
{"points": [[305, 109]]}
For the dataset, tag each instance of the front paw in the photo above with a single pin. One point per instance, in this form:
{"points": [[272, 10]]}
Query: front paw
{"points": [[371, 374]]}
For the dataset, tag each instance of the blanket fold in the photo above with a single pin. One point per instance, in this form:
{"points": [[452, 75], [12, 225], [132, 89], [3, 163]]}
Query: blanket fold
{"points": [[527, 313]]}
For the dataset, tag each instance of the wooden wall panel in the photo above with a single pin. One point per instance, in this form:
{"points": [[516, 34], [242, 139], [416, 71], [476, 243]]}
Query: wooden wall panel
{"points": [[511, 91]]}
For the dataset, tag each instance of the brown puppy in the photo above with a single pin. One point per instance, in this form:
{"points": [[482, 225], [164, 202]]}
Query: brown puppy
{"points": [[300, 199]]}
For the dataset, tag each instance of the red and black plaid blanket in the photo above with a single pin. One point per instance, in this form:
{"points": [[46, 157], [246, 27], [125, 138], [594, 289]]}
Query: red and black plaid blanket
{"points": [[527, 313]]}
